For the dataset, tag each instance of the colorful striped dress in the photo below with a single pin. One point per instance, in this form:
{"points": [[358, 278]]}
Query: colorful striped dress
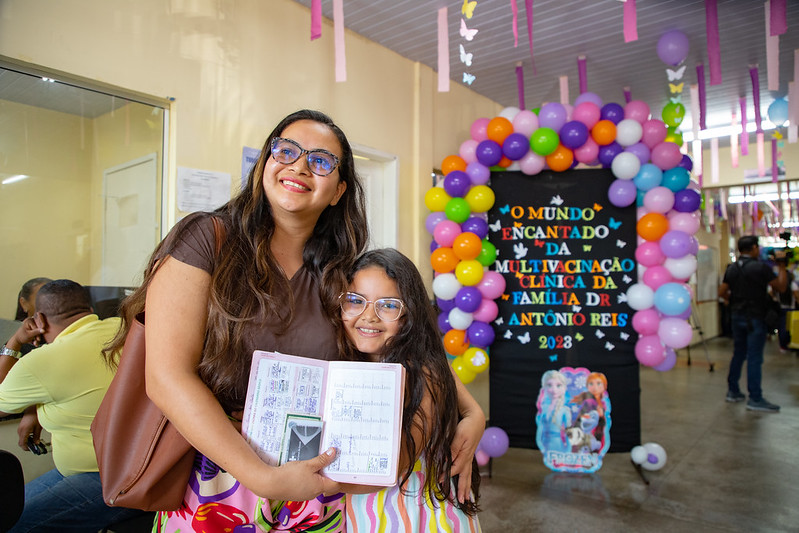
{"points": [[389, 510]]}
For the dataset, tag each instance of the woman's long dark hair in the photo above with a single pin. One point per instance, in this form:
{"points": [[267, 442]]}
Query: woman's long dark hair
{"points": [[247, 282], [25, 292], [418, 347]]}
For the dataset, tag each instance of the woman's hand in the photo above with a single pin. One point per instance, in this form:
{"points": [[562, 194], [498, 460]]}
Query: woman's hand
{"points": [[298, 480]]}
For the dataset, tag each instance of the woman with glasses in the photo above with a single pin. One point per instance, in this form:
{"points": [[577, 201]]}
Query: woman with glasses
{"points": [[289, 238]]}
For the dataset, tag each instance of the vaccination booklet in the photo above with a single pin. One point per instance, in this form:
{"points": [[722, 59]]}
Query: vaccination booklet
{"points": [[297, 407]]}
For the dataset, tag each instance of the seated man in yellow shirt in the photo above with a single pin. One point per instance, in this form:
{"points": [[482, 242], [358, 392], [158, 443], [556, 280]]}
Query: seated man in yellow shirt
{"points": [[66, 380]]}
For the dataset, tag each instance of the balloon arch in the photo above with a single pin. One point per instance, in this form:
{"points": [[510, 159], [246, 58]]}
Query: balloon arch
{"points": [[649, 170]]}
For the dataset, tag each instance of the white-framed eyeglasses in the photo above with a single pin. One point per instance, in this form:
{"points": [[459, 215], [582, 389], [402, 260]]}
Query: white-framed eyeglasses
{"points": [[286, 151], [386, 309]]}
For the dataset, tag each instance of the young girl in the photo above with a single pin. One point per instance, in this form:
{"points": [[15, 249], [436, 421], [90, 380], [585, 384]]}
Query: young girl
{"points": [[387, 317], [554, 417]]}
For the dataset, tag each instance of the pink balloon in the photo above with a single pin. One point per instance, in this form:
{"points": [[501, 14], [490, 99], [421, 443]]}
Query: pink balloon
{"points": [[478, 129], [468, 150], [659, 200], [645, 322], [654, 132], [668, 363], [588, 152], [666, 155], [587, 112], [685, 222], [588, 97], [481, 457], [675, 332], [637, 110], [532, 163], [649, 254], [487, 311], [525, 122], [649, 351], [655, 276], [446, 231], [492, 285]]}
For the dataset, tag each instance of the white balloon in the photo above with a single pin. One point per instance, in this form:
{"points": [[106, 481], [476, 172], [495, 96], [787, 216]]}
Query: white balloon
{"points": [[681, 267], [509, 113], [638, 455], [639, 296], [641, 271], [625, 166], [514, 166], [628, 132], [655, 456], [460, 319], [446, 286]]}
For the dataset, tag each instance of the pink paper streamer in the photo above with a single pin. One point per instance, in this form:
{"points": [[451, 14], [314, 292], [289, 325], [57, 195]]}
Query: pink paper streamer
{"points": [[696, 150], [515, 10], [700, 76], [772, 55], [628, 96], [564, 89], [713, 48], [761, 154], [744, 133], [630, 22], [723, 203], [739, 214], [777, 18], [582, 74], [443, 51], [528, 7], [520, 85], [714, 160], [756, 98], [694, 92], [774, 168], [793, 109], [338, 39], [734, 140], [316, 19]]}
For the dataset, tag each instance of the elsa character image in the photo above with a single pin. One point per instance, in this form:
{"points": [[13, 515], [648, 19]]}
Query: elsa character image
{"points": [[554, 417]]}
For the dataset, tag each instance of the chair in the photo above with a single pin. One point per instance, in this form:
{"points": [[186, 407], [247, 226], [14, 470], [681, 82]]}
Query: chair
{"points": [[12, 490]]}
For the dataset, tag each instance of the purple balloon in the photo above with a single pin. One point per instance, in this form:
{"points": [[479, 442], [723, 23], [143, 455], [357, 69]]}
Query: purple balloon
{"points": [[667, 364], [494, 442], [608, 152], [573, 134], [478, 173], [686, 163], [622, 193], [687, 201], [552, 115], [673, 47], [468, 299], [588, 97], [489, 153], [443, 322], [480, 334], [445, 305], [694, 246], [612, 112], [641, 151], [515, 146], [433, 219], [434, 246], [457, 183], [675, 243], [476, 225]]}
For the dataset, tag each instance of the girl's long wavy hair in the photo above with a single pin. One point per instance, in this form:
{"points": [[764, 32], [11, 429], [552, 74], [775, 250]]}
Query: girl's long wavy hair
{"points": [[247, 282], [418, 347]]}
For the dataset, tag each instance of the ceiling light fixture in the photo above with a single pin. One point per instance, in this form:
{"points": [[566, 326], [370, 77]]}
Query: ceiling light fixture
{"points": [[14, 179]]}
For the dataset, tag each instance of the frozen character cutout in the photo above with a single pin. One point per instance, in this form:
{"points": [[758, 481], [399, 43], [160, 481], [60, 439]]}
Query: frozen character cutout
{"points": [[554, 417]]}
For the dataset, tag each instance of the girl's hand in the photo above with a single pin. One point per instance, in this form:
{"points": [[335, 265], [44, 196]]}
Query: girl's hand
{"points": [[464, 445]]}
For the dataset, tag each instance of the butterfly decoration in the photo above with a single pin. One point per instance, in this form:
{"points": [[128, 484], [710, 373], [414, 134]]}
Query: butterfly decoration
{"points": [[597, 207], [620, 243], [609, 346], [466, 58], [676, 99], [505, 296], [517, 224], [505, 210], [520, 250], [675, 75], [539, 244], [576, 308], [676, 89], [586, 247], [508, 334], [626, 278], [467, 9], [599, 334], [467, 33], [614, 224], [556, 200], [578, 336], [468, 78], [496, 226], [624, 336], [524, 339], [621, 297], [553, 358], [499, 321]]}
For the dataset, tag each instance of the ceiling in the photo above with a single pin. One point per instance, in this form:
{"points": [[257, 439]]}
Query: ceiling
{"points": [[566, 29]]}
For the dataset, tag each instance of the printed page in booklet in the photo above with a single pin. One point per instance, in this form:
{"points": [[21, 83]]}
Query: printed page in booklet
{"points": [[297, 407]]}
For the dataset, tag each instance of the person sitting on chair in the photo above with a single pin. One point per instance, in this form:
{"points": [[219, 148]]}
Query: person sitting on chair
{"points": [[66, 379]]}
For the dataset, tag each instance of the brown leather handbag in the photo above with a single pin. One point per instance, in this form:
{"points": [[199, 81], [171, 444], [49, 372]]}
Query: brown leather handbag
{"points": [[144, 462]]}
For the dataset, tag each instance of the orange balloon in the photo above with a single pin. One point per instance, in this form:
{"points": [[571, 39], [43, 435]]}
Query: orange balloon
{"points": [[498, 129], [504, 162], [443, 260], [561, 159], [452, 162], [652, 226], [604, 132], [455, 342], [467, 246]]}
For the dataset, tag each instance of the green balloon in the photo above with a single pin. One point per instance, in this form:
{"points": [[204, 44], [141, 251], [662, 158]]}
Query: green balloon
{"points": [[544, 141], [673, 114], [487, 254], [458, 210], [673, 136], [536, 110]]}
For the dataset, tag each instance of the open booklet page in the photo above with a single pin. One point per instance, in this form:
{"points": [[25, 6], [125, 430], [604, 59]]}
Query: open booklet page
{"points": [[297, 407]]}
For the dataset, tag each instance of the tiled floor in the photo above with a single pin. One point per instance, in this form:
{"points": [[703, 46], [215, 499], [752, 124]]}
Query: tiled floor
{"points": [[728, 469]]}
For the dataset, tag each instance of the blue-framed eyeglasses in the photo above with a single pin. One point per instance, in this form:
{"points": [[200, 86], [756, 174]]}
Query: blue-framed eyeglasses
{"points": [[321, 162]]}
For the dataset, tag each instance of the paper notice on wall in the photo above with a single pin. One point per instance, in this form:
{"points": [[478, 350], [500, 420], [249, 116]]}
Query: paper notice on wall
{"points": [[202, 190]]}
